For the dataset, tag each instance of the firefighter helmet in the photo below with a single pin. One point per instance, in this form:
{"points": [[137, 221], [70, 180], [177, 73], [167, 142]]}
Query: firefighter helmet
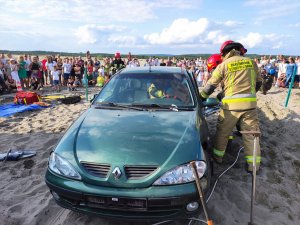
{"points": [[117, 55], [228, 45], [213, 61]]}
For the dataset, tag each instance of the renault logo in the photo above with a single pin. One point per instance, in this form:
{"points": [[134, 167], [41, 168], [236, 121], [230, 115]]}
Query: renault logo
{"points": [[117, 173]]}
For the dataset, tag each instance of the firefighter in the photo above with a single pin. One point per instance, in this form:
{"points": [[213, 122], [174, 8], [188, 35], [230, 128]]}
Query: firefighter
{"points": [[156, 89], [213, 61], [117, 64], [241, 82]]}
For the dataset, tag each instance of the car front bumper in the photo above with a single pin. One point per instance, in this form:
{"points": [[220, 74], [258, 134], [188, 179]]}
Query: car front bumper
{"points": [[155, 202]]}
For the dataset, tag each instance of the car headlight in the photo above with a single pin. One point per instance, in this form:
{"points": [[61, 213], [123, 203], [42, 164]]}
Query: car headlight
{"points": [[181, 174], [62, 167]]}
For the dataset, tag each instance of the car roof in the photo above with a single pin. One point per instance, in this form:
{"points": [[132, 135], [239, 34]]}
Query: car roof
{"points": [[153, 69]]}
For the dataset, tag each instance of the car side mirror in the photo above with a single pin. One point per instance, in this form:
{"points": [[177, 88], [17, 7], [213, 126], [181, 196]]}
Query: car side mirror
{"points": [[211, 102], [94, 96]]}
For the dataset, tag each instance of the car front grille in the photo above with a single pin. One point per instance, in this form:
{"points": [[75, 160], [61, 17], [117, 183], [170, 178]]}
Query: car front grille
{"points": [[117, 203], [96, 169], [139, 172]]}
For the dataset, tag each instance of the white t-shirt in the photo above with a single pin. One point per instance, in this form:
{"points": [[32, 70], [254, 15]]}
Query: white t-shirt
{"points": [[101, 71], [55, 75], [28, 62], [50, 66], [67, 67], [14, 72], [281, 68], [200, 76]]}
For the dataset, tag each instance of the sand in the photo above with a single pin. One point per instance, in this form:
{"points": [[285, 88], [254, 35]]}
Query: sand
{"points": [[25, 199]]}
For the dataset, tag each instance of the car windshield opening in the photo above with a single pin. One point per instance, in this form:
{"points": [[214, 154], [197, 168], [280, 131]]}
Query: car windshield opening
{"points": [[148, 89]]}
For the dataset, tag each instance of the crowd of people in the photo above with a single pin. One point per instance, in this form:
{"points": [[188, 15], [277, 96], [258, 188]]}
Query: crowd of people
{"points": [[34, 72]]}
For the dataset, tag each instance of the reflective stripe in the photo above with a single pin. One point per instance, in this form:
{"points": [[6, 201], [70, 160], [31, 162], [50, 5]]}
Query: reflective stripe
{"points": [[241, 96], [234, 100], [218, 152], [204, 95], [25, 101], [230, 137], [253, 78], [249, 159]]}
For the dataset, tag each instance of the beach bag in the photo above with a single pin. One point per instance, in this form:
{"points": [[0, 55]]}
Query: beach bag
{"points": [[26, 98], [70, 100]]}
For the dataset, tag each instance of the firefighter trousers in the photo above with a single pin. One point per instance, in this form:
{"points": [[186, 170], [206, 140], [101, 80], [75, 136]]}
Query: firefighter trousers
{"points": [[248, 121]]}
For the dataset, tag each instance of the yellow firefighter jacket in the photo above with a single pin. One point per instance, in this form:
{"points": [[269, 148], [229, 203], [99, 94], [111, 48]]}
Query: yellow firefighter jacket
{"points": [[240, 75]]}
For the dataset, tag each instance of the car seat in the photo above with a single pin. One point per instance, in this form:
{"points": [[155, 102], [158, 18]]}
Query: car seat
{"points": [[140, 91]]}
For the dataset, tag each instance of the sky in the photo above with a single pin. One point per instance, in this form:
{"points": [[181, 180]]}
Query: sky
{"points": [[268, 27]]}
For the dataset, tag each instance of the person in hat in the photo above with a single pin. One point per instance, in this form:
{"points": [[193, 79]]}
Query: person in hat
{"points": [[241, 81]]}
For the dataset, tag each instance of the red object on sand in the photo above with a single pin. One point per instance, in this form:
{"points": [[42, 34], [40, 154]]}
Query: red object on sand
{"points": [[26, 98]]}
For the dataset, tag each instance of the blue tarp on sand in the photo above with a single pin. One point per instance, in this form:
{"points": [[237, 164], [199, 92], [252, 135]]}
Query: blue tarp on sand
{"points": [[11, 109]]}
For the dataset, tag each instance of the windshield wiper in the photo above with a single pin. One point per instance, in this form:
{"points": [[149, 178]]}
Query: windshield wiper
{"points": [[168, 107], [116, 105]]}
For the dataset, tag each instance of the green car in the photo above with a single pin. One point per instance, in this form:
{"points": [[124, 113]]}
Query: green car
{"points": [[128, 156]]}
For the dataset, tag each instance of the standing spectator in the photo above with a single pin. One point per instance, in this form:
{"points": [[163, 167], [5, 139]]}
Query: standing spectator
{"points": [[2, 74], [3, 59], [50, 68], [55, 78], [35, 67], [28, 71], [134, 63], [44, 70], [3, 86], [206, 77], [298, 72], [14, 71], [162, 63], [77, 71], [7, 69], [200, 76], [9, 56], [88, 55], [192, 70], [67, 67], [59, 65], [22, 73], [169, 62], [96, 68], [90, 72], [291, 66], [282, 65], [129, 58]]}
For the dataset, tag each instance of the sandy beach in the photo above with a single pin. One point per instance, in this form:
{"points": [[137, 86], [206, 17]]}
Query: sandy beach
{"points": [[26, 200]]}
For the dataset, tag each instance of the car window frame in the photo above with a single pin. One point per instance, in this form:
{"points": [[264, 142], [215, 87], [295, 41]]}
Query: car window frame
{"points": [[183, 72]]}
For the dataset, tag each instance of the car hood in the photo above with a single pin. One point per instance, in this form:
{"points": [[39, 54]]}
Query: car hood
{"points": [[119, 138], [132, 138]]}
